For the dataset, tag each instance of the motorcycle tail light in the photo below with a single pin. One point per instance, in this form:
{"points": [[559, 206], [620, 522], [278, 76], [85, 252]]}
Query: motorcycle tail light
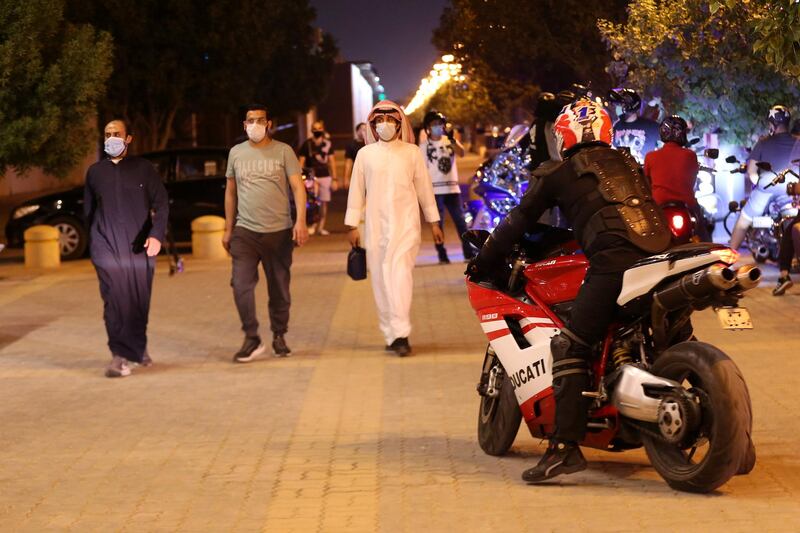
{"points": [[678, 222], [727, 255]]}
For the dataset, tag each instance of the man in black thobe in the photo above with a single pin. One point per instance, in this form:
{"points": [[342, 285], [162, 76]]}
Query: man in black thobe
{"points": [[126, 206]]}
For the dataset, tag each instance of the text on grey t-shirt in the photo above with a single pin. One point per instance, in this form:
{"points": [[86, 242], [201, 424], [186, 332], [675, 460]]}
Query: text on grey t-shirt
{"points": [[262, 185]]}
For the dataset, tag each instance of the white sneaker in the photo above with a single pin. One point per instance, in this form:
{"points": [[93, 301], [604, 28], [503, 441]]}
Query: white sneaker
{"points": [[312, 230], [119, 368], [324, 232]]}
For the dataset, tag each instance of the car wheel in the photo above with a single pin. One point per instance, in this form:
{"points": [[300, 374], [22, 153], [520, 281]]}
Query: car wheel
{"points": [[72, 237]]}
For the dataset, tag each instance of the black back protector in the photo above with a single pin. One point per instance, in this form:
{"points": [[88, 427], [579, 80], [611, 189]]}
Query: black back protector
{"points": [[626, 208]]}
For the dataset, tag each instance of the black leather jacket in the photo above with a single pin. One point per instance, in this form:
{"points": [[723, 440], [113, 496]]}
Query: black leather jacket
{"points": [[604, 196]]}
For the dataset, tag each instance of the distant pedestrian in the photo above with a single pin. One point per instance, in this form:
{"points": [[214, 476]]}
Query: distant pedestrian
{"points": [[637, 134], [391, 182], [439, 150], [317, 153], [127, 209], [259, 228], [352, 149]]}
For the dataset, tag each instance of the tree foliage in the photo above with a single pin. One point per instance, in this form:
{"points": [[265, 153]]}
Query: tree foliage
{"points": [[187, 56], [775, 30], [699, 59], [462, 103], [52, 75], [513, 48]]}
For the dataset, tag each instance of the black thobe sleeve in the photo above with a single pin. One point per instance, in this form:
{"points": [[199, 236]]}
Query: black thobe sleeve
{"points": [[89, 202], [159, 203]]}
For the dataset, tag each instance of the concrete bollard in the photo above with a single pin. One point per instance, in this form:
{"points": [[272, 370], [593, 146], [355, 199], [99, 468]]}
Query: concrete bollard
{"points": [[207, 234], [42, 248]]}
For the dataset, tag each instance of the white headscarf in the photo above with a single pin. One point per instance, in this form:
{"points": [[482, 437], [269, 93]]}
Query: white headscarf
{"points": [[388, 107]]}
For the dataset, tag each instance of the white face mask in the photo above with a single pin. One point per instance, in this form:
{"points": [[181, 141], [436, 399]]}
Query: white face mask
{"points": [[114, 146], [256, 132], [386, 130]]}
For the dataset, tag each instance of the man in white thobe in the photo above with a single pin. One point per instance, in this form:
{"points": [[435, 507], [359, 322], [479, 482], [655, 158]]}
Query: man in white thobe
{"points": [[390, 180]]}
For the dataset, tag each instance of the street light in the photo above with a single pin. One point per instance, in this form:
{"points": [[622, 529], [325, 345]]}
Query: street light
{"points": [[439, 75]]}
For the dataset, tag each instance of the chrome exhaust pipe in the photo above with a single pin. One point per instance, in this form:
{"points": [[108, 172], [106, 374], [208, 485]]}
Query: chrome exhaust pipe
{"points": [[761, 253], [747, 277], [695, 286]]}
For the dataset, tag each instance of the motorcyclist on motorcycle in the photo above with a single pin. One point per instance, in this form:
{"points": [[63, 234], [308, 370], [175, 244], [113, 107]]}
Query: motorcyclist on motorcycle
{"points": [[604, 195], [672, 170], [775, 149]]}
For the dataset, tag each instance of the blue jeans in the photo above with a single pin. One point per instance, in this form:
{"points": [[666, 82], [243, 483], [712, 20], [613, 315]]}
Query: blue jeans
{"points": [[452, 202]]}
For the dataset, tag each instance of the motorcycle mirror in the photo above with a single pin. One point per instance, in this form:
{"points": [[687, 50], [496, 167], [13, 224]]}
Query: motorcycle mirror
{"points": [[733, 206], [476, 237], [711, 153], [764, 165], [694, 141], [731, 159]]}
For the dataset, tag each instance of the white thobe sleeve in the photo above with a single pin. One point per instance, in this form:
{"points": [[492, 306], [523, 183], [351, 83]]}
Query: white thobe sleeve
{"points": [[357, 194], [422, 184]]}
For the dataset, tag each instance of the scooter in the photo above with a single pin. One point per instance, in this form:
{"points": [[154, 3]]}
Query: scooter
{"points": [[685, 401]]}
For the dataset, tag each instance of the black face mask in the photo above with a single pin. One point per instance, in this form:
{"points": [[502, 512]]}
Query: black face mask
{"points": [[317, 134]]}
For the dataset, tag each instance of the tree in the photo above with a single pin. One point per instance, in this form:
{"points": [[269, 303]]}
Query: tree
{"points": [[462, 102], [186, 56], [514, 48], [700, 61], [52, 75], [775, 30]]}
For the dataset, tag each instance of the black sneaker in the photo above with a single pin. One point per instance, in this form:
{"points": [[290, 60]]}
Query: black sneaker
{"points": [[401, 347], [560, 458], [251, 348], [442, 252], [783, 285], [146, 360], [279, 348]]}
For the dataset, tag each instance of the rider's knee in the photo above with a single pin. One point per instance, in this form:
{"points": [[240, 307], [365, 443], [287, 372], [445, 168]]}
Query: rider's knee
{"points": [[570, 355]]}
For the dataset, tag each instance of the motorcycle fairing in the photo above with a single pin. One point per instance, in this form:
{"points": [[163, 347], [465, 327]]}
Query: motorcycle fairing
{"points": [[529, 368], [643, 276]]}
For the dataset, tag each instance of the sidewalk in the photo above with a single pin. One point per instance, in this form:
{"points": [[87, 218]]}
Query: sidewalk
{"points": [[338, 437]]}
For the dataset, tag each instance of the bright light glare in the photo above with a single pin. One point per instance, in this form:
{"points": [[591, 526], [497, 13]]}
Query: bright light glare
{"points": [[678, 222], [726, 255], [440, 74]]}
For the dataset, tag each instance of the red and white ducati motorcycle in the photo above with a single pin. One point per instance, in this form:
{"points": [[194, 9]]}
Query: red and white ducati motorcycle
{"points": [[685, 401]]}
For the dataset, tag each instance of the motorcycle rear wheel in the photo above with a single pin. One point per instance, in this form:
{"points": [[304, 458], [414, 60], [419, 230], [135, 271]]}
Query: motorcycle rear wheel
{"points": [[727, 420], [499, 417]]}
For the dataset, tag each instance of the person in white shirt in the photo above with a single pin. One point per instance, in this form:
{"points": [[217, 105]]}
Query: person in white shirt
{"points": [[391, 183], [439, 151]]}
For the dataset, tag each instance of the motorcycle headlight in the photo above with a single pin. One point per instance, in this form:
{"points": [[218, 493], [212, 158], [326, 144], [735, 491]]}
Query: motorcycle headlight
{"points": [[25, 210], [502, 205]]}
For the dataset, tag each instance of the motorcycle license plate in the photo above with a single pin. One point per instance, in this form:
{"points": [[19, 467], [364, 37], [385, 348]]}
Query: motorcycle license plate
{"points": [[762, 222], [734, 318]]}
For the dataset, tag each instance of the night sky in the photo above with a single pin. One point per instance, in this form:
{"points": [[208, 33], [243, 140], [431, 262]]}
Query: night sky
{"points": [[395, 35]]}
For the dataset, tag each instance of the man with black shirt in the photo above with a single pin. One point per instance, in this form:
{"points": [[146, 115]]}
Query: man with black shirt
{"points": [[317, 153], [639, 135], [352, 149]]}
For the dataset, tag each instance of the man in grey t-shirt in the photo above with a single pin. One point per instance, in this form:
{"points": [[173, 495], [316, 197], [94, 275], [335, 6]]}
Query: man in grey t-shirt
{"points": [[259, 229]]}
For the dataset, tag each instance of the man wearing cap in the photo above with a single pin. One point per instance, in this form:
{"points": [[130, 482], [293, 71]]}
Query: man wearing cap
{"points": [[390, 181]]}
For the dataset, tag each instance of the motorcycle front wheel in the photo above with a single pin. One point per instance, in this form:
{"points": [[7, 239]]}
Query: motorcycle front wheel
{"points": [[499, 417], [724, 444]]}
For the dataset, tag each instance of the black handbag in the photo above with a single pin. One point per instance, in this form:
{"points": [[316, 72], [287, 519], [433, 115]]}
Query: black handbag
{"points": [[357, 263]]}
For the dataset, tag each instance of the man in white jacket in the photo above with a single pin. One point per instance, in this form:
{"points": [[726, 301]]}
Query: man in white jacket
{"points": [[391, 171]]}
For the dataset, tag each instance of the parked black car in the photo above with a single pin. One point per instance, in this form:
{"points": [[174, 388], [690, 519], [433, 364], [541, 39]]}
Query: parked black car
{"points": [[195, 182]]}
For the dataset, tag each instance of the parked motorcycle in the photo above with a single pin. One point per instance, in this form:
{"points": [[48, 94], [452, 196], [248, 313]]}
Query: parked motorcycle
{"points": [[499, 183], [764, 235], [685, 401]]}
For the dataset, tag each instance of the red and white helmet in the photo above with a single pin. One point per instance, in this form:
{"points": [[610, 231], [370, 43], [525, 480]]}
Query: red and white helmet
{"points": [[582, 122]]}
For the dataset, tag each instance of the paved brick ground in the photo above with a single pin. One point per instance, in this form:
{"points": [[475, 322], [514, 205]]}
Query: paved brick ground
{"points": [[339, 437]]}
